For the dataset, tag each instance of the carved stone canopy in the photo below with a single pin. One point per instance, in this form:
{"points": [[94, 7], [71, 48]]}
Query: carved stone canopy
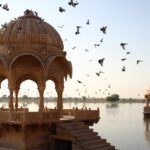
{"points": [[32, 49]]}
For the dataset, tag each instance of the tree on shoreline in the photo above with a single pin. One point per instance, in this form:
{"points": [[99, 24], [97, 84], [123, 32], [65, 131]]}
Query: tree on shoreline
{"points": [[113, 97]]}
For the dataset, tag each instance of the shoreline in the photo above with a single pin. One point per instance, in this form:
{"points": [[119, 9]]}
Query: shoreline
{"points": [[76, 100]]}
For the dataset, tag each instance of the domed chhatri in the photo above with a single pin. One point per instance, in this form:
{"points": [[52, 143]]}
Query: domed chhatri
{"points": [[32, 49]]}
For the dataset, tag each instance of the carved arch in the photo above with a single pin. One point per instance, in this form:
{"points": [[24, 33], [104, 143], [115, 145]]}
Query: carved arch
{"points": [[27, 54], [65, 65]]}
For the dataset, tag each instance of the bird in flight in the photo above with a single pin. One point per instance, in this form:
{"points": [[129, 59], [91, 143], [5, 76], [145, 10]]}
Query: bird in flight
{"points": [[71, 2], [98, 73], [90, 60], [103, 29], [75, 4], [5, 7], [74, 47], [138, 61], [86, 50], [123, 59], [123, 45], [61, 26], [101, 61], [88, 22], [61, 9], [123, 69], [79, 81], [101, 40], [96, 45], [127, 53], [78, 30]]}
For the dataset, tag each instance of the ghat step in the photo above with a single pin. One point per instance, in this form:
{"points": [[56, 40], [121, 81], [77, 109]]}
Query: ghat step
{"points": [[85, 138]]}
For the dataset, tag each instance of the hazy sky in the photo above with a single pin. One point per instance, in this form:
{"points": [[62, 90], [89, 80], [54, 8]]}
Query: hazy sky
{"points": [[126, 20]]}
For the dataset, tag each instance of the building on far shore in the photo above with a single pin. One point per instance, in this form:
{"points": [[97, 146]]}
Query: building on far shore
{"points": [[147, 107]]}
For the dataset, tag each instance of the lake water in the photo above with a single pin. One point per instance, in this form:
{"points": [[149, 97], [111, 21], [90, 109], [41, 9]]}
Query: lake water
{"points": [[121, 124]]}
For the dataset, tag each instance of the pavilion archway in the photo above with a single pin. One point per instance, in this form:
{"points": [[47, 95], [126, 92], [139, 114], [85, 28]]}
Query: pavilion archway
{"points": [[25, 67], [50, 94], [27, 92]]}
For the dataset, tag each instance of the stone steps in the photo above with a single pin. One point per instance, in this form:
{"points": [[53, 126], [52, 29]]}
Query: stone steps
{"points": [[85, 137]]}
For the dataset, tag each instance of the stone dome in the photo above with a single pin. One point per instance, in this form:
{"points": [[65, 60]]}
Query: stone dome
{"points": [[28, 33]]}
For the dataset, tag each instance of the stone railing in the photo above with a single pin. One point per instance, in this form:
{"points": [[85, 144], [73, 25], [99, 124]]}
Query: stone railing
{"points": [[83, 114], [146, 109], [25, 117]]}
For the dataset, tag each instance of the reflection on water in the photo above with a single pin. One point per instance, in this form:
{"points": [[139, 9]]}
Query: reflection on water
{"points": [[147, 130], [121, 124], [112, 105]]}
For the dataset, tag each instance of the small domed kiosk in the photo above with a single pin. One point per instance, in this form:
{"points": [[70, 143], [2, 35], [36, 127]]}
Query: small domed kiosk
{"points": [[146, 110], [32, 49]]}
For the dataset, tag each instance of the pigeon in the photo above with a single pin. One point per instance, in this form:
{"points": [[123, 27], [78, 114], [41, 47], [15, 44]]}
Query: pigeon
{"points": [[74, 47], [75, 4], [127, 53], [65, 40], [101, 40], [78, 30], [96, 45], [98, 73], [70, 3], [36, 14], [4, 25], [5, 7], [123, 59], [101, 61], [123, 69], [79, 81], [0, 5], [103, 29], [61, 26], [138, 61], [123, 45], [88, 22], [86, 50], [61, 9]]}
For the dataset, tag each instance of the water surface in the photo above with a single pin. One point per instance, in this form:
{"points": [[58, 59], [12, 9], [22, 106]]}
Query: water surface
{"points": [[121, 124]]}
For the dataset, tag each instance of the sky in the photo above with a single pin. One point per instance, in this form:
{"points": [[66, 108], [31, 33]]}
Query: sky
{"points": [[127, 21]]}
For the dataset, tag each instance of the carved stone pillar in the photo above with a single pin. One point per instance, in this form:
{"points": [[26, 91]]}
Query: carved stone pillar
{"points": [[11, 106], [16, 94], [59, 89], [41, 103]]}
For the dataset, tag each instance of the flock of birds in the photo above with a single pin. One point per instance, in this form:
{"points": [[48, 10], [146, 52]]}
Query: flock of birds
{"points": [[100, 61]]}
